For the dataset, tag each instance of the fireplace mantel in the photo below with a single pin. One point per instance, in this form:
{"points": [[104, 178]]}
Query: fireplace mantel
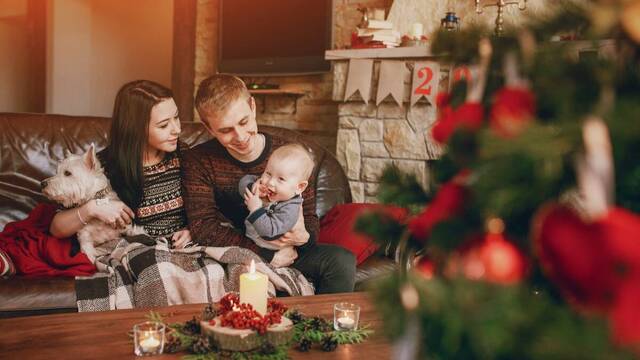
{"points": [[371, 136], [385, 53]]}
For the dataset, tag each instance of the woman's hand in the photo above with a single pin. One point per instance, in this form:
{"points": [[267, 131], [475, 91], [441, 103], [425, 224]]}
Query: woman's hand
{"points": [[112, 212], [181, 238]]}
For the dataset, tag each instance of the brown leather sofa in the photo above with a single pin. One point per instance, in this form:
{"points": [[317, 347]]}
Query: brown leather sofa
{"points": [[32, 144]]}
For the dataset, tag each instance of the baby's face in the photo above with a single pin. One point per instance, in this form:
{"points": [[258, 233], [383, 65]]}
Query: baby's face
{"points": [[281, 180]]}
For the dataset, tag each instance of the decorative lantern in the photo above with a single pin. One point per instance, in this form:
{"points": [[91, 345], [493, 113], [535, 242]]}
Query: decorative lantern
{"points": [[450, 22]]}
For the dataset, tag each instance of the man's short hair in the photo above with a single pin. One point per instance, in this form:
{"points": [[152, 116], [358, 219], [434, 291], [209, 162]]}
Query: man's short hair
{"points": [[217, 92], [297, 152]]}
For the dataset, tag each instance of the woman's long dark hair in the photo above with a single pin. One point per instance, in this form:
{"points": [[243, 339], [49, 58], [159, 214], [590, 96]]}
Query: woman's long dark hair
{"points": [[129, 135]]}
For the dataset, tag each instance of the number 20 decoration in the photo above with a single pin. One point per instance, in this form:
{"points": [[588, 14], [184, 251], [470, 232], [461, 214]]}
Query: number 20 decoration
{"points": [[426, 77]]}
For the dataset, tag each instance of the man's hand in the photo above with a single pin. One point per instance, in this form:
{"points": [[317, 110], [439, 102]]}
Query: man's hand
{"points": [[181, 238], [297, 236], [252, 200], [284, 257]]}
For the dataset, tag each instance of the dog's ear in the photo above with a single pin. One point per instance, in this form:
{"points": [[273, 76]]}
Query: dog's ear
{"points": [[90, 158]]}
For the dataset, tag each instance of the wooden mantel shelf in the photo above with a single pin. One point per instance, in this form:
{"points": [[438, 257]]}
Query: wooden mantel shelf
{"points": [[384, 53], [290, 92]]}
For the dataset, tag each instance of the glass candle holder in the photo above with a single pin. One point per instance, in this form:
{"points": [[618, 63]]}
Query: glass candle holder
{"points": [[345, 316], [148, 338]]}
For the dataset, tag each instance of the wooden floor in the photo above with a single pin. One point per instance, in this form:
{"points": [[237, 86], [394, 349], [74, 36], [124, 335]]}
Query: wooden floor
{"points": [[103, 335]]}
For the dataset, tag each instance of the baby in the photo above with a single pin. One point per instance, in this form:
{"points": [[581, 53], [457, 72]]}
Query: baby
{"points": [[274, 199]]}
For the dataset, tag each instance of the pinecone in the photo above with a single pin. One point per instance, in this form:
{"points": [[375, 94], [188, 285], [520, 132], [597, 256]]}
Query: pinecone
{"points": [[295, 316], [201, 345], [266, 348], [172, 343], [304, 345], [319, 324], [329, 343], [209, 312], [192, 326]]}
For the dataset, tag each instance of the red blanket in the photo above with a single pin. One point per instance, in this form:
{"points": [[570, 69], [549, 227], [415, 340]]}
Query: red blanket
{"points": [[36, 253]]}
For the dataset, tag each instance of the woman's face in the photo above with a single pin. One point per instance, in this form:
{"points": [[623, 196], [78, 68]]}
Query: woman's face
{"points": [[164, 127]]}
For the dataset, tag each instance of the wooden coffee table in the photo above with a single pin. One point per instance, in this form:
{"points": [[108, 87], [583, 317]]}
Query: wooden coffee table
{"points": [[103, 335]]}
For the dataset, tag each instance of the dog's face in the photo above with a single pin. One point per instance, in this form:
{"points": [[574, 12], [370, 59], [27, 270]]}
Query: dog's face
{"points": [[77, 180]]}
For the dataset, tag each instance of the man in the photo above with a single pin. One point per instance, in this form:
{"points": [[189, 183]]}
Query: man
{"points": [[216, 211]]}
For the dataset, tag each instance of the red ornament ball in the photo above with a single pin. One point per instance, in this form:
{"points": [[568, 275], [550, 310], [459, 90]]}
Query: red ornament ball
{"points": [[513, 109], [468, 116], [447, 203], [425, 267], [503, 262]]}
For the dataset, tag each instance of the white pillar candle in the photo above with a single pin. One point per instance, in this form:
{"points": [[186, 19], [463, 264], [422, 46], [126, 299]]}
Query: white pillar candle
{"points": [[253, 289], [416, 30]]}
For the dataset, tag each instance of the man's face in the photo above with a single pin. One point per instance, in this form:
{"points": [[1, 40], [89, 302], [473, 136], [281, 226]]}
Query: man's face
{"points": [[236, 129]]}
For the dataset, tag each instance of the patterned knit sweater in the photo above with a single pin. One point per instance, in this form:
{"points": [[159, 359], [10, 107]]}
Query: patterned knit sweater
{"points": [[161, 209], [215, 210]]}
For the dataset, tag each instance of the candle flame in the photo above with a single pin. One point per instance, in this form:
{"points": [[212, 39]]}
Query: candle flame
{"points": [[252, 267]]}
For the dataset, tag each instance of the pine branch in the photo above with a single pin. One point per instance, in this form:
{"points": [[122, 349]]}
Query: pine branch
{"points": [[207, 356], [352, 336], [400, 189], [154, 316]]}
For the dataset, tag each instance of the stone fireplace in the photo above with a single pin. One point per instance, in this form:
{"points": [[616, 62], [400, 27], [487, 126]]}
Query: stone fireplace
{"points": [[371, 137]]}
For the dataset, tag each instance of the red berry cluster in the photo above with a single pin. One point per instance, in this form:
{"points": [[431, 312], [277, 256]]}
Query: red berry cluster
{"points": [[243, 316], [276, 306], [228, 303]]}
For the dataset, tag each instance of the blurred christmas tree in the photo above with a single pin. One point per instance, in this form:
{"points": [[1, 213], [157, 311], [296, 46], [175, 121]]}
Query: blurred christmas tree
{"points": [[530, 245]]}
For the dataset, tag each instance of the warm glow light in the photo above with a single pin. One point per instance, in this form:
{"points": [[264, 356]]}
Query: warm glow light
{"points": [[252, 267]]}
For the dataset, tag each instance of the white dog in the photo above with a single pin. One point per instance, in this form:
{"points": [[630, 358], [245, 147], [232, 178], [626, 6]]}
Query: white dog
{"points": [[78, 180]]}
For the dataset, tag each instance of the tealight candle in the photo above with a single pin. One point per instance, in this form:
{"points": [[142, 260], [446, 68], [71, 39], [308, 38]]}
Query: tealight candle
{"points": [[150, 343], [253, 289], [148, 338], [345, 316], [346, 322]]}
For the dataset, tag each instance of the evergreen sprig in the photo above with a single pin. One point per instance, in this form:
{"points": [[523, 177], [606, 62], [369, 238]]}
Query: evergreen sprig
{"points": [[154, 316], [401, 189], [352, 336], [207, 356]]}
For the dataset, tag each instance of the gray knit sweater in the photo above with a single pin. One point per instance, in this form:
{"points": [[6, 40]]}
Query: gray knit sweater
{"points": [[271, 221]]}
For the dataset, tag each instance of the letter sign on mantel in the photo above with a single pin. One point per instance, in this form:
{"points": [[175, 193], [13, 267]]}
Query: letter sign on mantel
{"points": [[391, 81], [426, 78], [359, 79]]}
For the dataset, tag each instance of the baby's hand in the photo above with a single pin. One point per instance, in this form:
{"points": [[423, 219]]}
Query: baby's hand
{"points": [[252, 200], [260, 189]]}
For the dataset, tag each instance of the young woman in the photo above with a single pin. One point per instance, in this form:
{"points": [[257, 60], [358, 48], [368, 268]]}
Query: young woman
{"points": [[142, 162]]}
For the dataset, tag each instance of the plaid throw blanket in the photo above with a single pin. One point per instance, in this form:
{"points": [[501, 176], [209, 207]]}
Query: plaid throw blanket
{"points": [[136, 275]]}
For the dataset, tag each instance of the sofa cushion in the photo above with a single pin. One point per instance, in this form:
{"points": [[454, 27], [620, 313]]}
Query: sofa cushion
{"points": [[337, 227]]}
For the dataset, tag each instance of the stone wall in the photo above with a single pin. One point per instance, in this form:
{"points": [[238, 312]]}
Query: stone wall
{"points": [[372, 137], [314, 113]]}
